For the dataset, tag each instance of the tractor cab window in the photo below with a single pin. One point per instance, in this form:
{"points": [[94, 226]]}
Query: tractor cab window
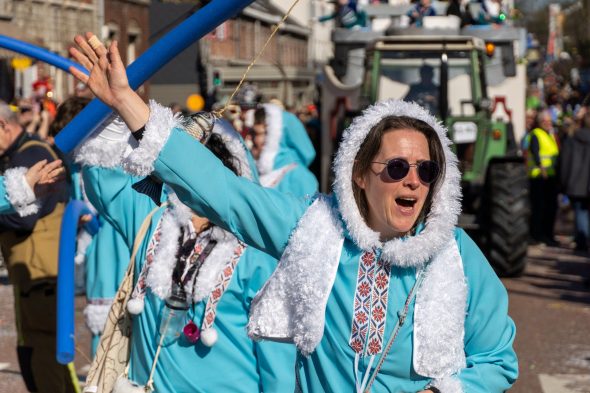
{"points": [[416, 76]]}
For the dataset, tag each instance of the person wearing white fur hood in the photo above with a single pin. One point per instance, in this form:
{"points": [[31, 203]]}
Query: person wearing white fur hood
{"points": [[20, 186], [186, 264], [283, 151], [376, 286]]}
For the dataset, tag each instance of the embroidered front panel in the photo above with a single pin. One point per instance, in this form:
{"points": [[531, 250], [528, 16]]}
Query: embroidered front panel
{"points": [[378, 308], [221, 286], [370, 305], [362, 302], [140, 286]]}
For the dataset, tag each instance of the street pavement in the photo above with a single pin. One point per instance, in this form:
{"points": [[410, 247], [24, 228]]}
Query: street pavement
{"points": [[550, 304]]}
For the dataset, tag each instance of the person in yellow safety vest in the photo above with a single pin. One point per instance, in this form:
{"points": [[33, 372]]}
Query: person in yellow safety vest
{"points": [[543, 152]]}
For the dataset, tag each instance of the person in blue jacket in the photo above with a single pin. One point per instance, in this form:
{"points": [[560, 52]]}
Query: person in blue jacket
{"points": [[283, 151], [376, 286], [218, 274]]}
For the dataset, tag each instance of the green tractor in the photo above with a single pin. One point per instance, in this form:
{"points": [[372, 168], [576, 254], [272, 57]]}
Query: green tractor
{"points": [[447, 75]]}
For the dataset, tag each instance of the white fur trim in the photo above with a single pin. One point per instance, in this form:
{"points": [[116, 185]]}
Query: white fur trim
{"points": [[291, 305], [446, 204], [140, 162], [274, 133], [159, 277], [439, 316], [234, 144], [273, 178], [210, 271], [107, 145], [124, 385], [19, 193], [95, 316], [209, 337], [450, 384]]}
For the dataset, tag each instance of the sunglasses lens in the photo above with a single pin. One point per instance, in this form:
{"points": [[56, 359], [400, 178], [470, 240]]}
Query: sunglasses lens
{"points": [[428, 171], [397, 169]]}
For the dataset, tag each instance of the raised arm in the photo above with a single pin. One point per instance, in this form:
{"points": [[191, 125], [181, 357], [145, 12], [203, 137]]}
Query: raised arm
{"points": [[262, 218]]}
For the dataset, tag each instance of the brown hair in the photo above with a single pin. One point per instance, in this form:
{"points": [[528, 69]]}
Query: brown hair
{"points": [[66, 112], [371, 146]]}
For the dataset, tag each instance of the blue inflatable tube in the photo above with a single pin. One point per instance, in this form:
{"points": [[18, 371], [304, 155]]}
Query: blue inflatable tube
{"points": [[168, 47], [65, 279], [38, 53]]}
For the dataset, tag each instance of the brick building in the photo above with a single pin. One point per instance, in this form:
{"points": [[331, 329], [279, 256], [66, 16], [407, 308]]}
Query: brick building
{"points": [[283, 72]]}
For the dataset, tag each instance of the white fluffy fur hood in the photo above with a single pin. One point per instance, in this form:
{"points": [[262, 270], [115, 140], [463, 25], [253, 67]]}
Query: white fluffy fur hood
{"points": [[446, 205]]}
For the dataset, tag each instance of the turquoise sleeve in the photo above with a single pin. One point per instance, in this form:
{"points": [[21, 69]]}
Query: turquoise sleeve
{"points": [[110, 192], [260, 217], [275, 361], [5, 205], [492, 365]]}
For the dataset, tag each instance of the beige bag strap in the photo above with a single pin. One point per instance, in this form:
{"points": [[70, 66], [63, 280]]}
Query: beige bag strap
{"points": [[97, 378]]}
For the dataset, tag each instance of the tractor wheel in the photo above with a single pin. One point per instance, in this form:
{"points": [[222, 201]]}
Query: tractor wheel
{"points": [[507, 214]]}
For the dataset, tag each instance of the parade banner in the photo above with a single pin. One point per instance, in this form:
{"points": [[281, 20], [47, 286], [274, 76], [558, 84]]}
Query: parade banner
{"points": [[65, 278], [36, 52], [159, 54]]}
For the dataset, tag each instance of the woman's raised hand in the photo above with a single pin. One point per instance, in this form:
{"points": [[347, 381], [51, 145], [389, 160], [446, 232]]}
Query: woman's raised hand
{"points": [[107, 77], [42, 176]]}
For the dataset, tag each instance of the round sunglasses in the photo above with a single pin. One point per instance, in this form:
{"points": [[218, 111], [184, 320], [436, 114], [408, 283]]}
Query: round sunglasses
{"points": [[398, 168]]}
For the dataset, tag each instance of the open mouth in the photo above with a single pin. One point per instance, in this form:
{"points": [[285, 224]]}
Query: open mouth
{"points": [[406, 202]]}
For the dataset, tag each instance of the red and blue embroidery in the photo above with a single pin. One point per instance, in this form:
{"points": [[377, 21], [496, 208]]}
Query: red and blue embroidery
{"points": [[221, 286], [370, 305]]}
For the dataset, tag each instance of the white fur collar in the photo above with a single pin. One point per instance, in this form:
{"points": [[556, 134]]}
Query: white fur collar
{"points": [[446, 205], [19, 193], [159, 277], [274, 133]]}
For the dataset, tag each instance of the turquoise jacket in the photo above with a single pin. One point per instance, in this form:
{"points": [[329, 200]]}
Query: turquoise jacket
{"points": [[265, 219], [184, 367]]}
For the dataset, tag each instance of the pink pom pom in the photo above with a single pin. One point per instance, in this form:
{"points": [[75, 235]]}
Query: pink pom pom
{"points": [[191, 332]]}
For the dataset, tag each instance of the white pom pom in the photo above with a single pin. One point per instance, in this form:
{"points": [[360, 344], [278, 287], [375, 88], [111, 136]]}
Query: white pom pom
{"points": [[123, 385], [135, 306], [209, 337]]}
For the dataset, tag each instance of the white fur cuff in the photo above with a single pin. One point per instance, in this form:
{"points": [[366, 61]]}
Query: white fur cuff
{"points": [[106, 146], [19, 193], [96, 315], [157, 130], [450, 384]]}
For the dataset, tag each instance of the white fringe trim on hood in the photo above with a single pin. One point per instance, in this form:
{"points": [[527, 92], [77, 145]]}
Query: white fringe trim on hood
{"points": [[107, 146], [19, 193], [140, 162], [274, 133], [446, 204], [235, 145]]}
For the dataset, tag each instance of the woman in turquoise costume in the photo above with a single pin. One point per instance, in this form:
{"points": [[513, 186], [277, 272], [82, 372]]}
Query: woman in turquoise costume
{"points": [[376, 286], [286, 154], [225, 278], [19, 186]]}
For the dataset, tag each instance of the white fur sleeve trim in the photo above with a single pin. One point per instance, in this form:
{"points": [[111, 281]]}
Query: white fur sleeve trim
{"points": [[96, 315], [450, 384], [107, 145], [439, 347], [140, 162], [19, 193]]}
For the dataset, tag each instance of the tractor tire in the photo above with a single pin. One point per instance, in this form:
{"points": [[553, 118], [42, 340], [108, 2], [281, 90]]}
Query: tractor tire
{"points": [[507, 211]]}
